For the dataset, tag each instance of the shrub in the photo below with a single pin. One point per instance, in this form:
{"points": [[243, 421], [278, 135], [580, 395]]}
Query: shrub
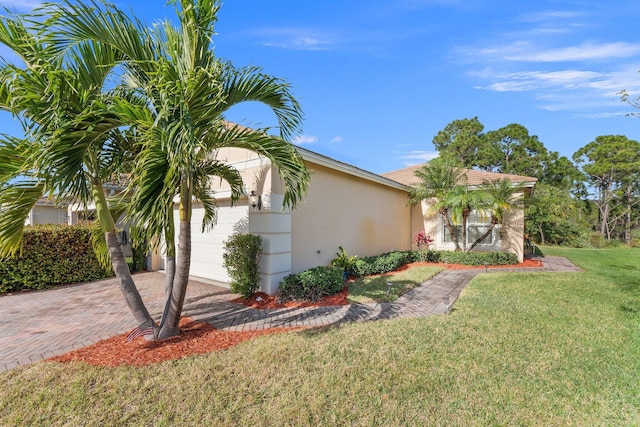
{"points": [[475, 258], [242, 254], [51, 255], [312, 284], [379, 264], [343, 261]]}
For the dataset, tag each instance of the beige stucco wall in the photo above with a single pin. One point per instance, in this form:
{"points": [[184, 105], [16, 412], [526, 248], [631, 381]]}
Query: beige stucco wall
{"points": [[363, 217], [512, 233]]}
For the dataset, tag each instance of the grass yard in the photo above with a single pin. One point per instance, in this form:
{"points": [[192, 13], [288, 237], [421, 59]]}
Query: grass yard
{"points": [[375, 289], [518, 349]]}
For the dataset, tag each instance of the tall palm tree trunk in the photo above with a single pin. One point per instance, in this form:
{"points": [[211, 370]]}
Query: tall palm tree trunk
{"points": [[179, 290], [449, 225], [485, 235], [127, 285], [118, 261]]}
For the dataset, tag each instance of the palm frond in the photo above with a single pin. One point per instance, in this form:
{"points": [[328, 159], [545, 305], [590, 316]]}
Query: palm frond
{"points": [[283, 156], [16, 201]]}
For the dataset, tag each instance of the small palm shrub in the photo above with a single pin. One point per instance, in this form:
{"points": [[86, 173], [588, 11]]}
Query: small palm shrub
{"points": [[312, 284], [241, 258]]}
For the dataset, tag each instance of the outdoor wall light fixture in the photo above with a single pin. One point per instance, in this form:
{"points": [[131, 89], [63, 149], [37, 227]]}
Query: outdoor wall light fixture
{"points": [[255, 200]]}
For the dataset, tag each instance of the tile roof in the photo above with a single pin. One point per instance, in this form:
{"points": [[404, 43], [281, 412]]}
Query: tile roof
{"points": [[474, 177]]}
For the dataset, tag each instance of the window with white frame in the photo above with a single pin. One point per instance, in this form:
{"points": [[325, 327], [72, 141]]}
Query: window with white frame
{"points": [[477, 225]]}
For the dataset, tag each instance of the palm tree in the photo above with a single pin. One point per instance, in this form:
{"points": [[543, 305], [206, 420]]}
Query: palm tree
{"points": [[48, 94], [438, 179], [500, 199], [180, 125], [462, 200]]}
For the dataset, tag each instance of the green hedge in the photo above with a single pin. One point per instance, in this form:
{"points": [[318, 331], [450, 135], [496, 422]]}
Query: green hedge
{"points": [[391, 261], [312, 284], [379, 264], [51, 255], [467, 258]]}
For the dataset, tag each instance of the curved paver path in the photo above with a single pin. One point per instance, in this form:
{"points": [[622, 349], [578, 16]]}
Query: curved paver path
{"points": [[38, 325]]}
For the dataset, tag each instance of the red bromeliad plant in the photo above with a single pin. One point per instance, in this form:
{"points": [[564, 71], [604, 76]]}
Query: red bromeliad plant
{"points": [[423, 240]]}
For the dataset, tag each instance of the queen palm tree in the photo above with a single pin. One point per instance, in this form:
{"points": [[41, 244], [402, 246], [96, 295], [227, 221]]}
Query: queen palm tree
{"points": [[180, 126], [438, 179]]}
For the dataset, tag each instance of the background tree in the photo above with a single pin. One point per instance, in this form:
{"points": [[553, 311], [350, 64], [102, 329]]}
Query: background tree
{"points": [[463, 142], [515, 151], [608, 161]]}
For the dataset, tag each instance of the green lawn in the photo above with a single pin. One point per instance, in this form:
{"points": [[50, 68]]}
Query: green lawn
{"points": [[518, 349], [375, 289]]}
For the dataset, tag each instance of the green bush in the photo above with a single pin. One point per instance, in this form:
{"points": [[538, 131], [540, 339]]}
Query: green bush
{"points": [[242, 253], [379, 264], [51, 255], [312, 284], [478, 258]]}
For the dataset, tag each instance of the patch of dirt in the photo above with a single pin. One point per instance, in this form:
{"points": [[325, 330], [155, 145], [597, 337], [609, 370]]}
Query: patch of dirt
{"points": [[195, 338]]}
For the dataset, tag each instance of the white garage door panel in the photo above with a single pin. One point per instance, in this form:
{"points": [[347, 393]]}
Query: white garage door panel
{"points": [[207, 248]]}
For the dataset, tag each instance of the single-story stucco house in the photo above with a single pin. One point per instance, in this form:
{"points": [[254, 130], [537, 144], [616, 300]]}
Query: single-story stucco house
{"points": [[365, 213]]}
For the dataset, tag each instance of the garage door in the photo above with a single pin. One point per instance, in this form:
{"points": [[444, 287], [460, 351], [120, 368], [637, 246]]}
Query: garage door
{"points": [[207, 248]]}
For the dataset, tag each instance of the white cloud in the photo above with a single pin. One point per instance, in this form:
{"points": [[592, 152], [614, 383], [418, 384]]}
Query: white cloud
{"points": [[418, 156], [582, 52], [337, 138], [526, 51], [22, 5], [304, 139], [296, 38]]}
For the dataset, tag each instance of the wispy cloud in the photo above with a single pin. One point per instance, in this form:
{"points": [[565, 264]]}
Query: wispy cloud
{"points": [[581, 52], [22, 5], [545, 53], [304, 139], [337, 138], [296, 38], [418, 156]]}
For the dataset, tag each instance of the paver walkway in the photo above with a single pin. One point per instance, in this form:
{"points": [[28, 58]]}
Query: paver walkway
{"points": [[38, 325]]}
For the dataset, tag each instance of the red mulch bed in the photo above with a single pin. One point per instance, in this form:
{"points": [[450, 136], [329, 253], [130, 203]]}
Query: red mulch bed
{"points": [[195, 338], [200, 337], [528, 263]]}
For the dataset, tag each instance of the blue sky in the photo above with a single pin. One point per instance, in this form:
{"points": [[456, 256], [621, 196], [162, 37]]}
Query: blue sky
{"points": [[378, 79]]}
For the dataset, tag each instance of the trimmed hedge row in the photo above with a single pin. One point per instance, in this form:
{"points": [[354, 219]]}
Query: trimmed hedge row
{"points": [[51, 255], [467, 258], [312, 284]]}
